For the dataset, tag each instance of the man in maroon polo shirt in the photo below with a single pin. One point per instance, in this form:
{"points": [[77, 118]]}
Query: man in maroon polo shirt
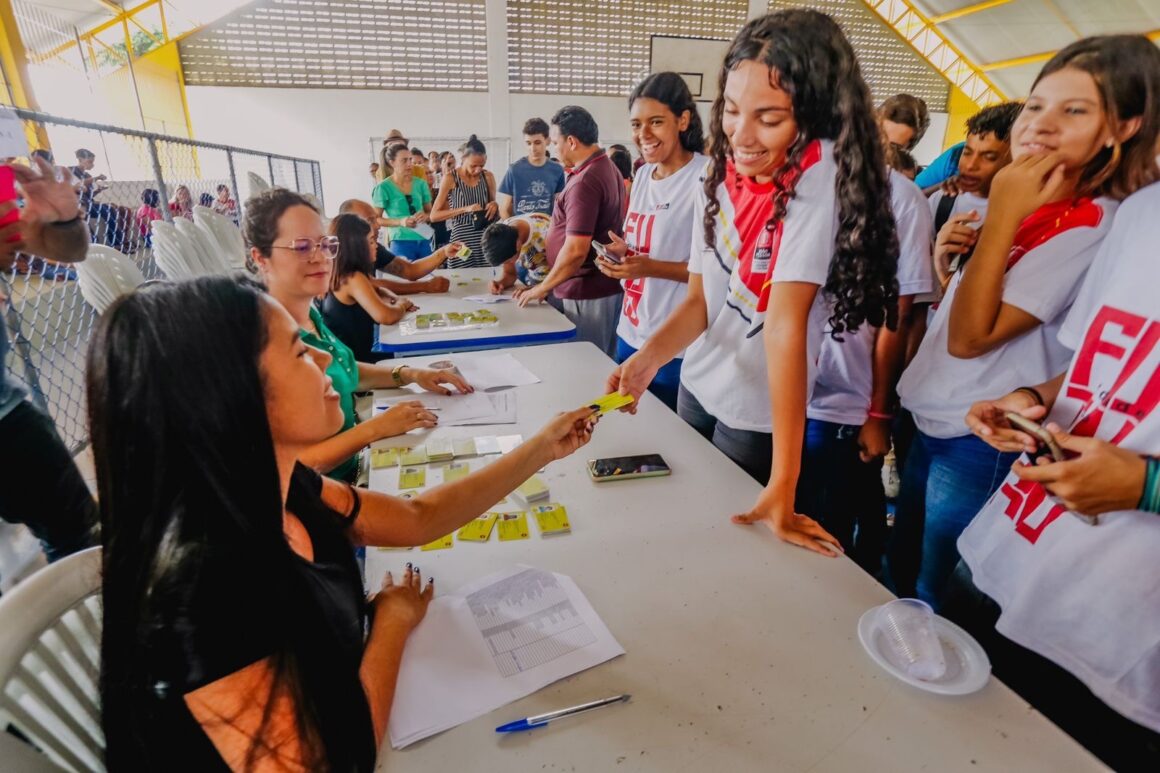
{"points": [[591, 205]]}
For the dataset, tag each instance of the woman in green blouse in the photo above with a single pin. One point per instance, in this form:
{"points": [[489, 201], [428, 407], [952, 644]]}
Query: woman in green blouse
{"points": [[403, 202], [295, 257]]}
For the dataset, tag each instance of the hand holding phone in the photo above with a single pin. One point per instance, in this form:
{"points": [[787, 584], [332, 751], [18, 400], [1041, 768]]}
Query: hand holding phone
{"points": [[1035, 430], [603, 252]]}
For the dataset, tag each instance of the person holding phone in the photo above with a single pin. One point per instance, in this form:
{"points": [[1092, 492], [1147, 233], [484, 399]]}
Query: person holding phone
{"points": [[651, 261], [1065, 609], [1076, 153], [403, 202], [796, 232]]}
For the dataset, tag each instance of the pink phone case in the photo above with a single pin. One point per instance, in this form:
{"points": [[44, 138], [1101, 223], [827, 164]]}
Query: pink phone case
{"points": [[8, 193]]}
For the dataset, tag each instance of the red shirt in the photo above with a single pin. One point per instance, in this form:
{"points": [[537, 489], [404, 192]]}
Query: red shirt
{"points": [[592, 204]]}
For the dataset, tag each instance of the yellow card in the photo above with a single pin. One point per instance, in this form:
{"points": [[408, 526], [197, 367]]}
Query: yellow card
{"points": [[413, 456], [412, 477], [513, 526], [463, 447], [533, 490], [479, 530], [552, 519], [384, 457], [455, 471], [442, 543], [611, 402]]}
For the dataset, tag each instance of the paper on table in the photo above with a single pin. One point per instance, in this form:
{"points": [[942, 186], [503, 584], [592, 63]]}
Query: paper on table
{"points": [[452, 408], [503, 411], [485, 371], [13, 140], [487, 298], [491, 642]]}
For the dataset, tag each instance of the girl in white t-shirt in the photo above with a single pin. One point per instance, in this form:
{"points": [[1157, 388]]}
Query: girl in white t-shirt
{"points": [[1069, 611], [658, 228], [796, 231], [1076, 154]]}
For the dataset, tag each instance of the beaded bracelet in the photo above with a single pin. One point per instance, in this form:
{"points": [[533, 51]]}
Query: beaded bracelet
{"points": [[1150, 500], [1033, 392]]}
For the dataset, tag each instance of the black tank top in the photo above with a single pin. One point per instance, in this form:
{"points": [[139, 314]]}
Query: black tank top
{"points": [[226, 628], [353, 326]]}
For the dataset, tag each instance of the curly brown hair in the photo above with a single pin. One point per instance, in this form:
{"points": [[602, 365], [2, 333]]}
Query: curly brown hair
{"points": [[811, 60]]}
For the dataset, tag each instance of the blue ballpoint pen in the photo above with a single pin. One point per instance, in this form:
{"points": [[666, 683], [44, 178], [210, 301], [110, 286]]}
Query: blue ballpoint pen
{"points": [[542, 719]]}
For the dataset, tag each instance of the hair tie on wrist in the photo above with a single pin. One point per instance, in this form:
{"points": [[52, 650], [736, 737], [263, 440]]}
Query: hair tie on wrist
{"points": [[1034, 393]]}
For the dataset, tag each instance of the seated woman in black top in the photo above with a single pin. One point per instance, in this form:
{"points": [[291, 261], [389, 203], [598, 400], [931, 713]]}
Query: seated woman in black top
{"points": [[233, 612], [354, 303]]}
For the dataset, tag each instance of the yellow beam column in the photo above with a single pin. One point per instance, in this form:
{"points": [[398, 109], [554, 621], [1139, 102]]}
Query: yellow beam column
{"points": [[14, 64], [960, 107]]}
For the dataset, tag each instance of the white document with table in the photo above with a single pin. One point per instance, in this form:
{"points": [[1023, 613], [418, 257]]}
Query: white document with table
{"points": [[452, 408], [491, 642], [489, 370]]}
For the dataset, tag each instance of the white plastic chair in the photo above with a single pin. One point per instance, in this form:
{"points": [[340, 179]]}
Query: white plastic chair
{"points": [[257, 184], [105, 275], [229, 236], [201, 247], [50, 661], [170, 252]]}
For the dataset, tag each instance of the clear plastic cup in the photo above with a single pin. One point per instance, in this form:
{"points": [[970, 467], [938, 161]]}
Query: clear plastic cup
{"points": [[908, 628]]}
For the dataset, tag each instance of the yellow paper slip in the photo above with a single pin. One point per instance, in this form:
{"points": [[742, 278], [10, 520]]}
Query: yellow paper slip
{"points": [[479, 530], [611, 402], [463, 447], [384, 457], [513, 526], [413, 456], [533, 490], [552, 519], [442, 543], [412, 477], [456, 471]]}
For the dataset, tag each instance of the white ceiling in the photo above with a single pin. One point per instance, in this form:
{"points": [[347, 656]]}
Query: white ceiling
{"points": [[1020, 28]]}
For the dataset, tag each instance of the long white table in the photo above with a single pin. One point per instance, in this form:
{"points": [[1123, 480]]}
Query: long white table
{"points": [[535, 324], [742, 651]]}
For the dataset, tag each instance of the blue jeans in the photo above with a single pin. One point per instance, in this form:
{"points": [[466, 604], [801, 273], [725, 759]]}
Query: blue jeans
{"points": [[667, 380], [411, 249], [843, 493], [751, 451], [945, 482]]}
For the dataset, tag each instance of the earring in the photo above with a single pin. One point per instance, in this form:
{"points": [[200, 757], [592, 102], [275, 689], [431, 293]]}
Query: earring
{"points": [[1109, 143]]}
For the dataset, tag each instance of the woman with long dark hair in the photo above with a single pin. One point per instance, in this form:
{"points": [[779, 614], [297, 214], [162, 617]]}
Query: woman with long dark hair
{"points": [[354, 305], [1085, 139], [662, 213], [233, 609], [796, 229]]}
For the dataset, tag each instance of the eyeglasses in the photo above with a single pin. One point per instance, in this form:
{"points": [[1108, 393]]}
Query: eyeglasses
{"points": [[304, 248]]}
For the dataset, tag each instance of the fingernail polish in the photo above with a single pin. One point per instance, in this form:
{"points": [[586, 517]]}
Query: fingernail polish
{"points": [[408, 564]]}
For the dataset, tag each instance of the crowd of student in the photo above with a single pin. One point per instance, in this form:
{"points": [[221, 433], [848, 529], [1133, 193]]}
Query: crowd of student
{"points": [[778, 280]]}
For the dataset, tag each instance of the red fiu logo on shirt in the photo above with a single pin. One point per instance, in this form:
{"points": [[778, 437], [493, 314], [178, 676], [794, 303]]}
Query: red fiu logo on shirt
{"points": [[1129, 340], [1049, 221], [638, 229]]}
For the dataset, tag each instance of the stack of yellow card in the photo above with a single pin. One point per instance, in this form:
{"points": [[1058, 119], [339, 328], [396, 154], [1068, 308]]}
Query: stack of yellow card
{"points": [[384, 457], [479, 530], [412, 477], [533, 490], [440, 450], [463, 447], [413, 455], [513, 526], [552, 519], [456, 471], [611, 402]]}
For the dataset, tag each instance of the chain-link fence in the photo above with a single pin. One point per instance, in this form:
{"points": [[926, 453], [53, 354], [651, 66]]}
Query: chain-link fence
{"points": [[125, 180]]}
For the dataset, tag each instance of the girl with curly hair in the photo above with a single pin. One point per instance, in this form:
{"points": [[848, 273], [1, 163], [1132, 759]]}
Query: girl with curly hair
{"points": [[797, 231]]}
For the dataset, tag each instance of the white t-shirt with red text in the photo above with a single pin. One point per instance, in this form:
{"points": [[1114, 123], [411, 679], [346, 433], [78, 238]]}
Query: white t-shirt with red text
{"points": [[1088, 597], [660, 221], [846, 368], [1052, 250], [725, 367]]}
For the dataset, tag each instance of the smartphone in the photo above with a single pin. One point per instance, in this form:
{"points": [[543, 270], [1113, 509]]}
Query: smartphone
{"points": [[603, 252], [1035, 430], [628, 467]]}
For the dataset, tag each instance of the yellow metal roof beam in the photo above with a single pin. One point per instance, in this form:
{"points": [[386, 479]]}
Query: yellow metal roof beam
{"points": [[929, 42], [967, 10], [1003, 64]]}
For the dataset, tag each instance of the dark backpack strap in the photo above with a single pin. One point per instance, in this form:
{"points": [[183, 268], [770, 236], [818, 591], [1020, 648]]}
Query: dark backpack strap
{"points": [[943, 212]]}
